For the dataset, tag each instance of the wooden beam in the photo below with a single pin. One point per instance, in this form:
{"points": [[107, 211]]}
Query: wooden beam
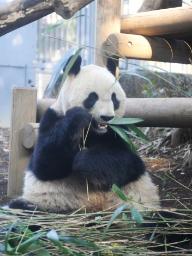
{"points": [[107, 21], [161, 112], [18, 13], [24, 109], [172, 21], [147, 48], [156, 112]]}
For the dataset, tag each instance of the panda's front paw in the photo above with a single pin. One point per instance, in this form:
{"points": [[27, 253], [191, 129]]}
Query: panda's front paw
{"points": [[79, 117], [20, 203]]}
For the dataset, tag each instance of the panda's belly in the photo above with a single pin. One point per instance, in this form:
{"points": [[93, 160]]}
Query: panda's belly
{"points": [[65, 195]]}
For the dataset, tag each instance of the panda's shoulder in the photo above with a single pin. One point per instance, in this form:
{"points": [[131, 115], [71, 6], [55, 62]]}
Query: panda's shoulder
{"points": [[49, 118]]}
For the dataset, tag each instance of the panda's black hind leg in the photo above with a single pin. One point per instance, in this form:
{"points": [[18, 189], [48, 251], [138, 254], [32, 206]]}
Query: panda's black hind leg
{"points": [[20, 203]]}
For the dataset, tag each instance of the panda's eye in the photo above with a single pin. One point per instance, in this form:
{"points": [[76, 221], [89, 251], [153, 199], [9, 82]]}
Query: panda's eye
{"points": [[90, 101], [116, 102]]}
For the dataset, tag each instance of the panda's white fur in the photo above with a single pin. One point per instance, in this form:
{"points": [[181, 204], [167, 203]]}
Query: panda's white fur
{"points": [[59, 195]]}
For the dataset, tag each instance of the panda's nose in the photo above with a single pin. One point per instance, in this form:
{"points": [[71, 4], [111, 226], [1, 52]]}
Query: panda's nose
{"points": [[106, 118]]}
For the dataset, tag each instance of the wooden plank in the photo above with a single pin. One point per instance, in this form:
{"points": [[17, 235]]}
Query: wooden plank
{"points": [[172, 21], [107, 21], [147, 48], [24, 102]]}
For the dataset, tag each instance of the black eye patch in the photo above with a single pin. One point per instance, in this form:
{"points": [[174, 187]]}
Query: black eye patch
{"points": [[116, 102], [90, 101]]}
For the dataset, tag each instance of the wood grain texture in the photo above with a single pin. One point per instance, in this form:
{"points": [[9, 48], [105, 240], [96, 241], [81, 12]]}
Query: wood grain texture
{"points": [[107, 21], [24, 108], [147, 48], [18, 13], [175, 22]]}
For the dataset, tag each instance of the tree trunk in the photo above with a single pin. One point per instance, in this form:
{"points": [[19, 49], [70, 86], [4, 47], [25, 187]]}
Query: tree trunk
{"points": [[21, 12]]}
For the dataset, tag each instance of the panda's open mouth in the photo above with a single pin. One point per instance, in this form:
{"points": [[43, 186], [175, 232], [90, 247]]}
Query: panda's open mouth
{"points": [[101, 128]]}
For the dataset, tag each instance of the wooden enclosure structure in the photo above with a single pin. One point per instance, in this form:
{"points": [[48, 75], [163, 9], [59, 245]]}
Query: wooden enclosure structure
{"points": [[163, 35]]}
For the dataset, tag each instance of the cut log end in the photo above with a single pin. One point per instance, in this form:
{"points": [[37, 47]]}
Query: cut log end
{"points": [[29, 135]]}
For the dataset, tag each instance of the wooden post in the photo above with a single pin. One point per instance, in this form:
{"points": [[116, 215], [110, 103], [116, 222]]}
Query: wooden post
{"points": [[147, 48], [24, 108], [108, 13]]}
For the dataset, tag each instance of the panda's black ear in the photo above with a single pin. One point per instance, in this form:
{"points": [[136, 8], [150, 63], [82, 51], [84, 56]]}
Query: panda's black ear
{"points": [[72, 62], [112, 65]]}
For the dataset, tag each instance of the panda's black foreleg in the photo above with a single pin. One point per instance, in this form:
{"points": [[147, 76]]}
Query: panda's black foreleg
{"points": [[20, 203], [103, 167], [58, 143]]}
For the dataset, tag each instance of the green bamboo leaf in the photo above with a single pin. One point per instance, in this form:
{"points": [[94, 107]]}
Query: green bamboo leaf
{"points": [[123, 134], [124, 121], [136, 215], [116, 213], [8, 248], [54, 238], [119, 193], [78, 242], [138, 132], [42, 252], [24, 246]]}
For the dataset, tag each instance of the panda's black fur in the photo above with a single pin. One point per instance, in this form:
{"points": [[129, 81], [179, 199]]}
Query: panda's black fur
{"points": [[98, 163]]}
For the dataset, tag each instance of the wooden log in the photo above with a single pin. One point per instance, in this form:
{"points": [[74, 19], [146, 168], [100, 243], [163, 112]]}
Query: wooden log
{"points": [[18, 13], [147, 48], [24, 108], [149, 5], [161, 112], [156, 112], [29, 135], [172, 21], [107, 21]]}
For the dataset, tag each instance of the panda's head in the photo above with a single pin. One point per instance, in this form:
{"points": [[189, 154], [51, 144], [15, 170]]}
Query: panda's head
{"points": [[93, 88]]}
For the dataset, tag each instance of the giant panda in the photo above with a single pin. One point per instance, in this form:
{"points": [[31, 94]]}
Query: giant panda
{"points": [[77, 157]]}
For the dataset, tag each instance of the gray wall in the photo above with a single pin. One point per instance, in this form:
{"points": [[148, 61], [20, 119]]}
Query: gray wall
{"points": [[17, 56]]}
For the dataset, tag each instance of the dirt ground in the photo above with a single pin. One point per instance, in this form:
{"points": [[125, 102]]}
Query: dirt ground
{"points": [[4, 161], [166, 164], [170, 168]]}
